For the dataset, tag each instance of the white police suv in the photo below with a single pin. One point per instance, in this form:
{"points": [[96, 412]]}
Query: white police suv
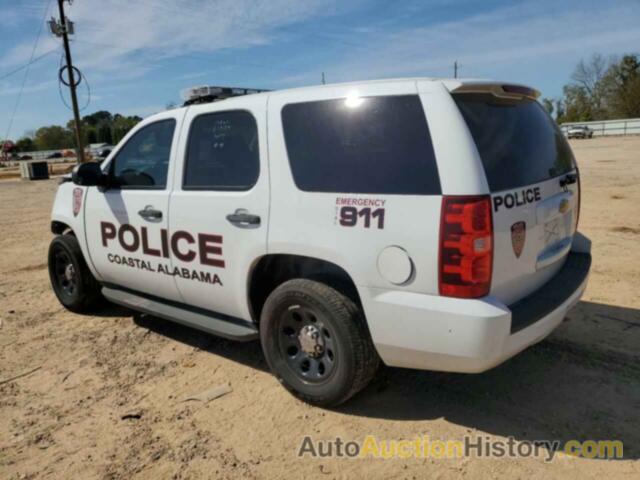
{"points": [[425, 223]]}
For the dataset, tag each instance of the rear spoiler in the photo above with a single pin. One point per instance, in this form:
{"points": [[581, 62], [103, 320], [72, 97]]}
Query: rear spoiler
{"points": [[498, 90]]}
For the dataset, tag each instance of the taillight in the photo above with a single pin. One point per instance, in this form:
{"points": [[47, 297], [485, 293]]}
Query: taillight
{"points": [[466, 246]]}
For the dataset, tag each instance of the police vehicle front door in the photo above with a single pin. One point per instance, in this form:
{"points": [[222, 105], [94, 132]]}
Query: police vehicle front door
{"points": [[220, 204], [127, 224]]}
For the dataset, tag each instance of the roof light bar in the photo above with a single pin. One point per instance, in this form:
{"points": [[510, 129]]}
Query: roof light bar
{"points": [[207, 93]]}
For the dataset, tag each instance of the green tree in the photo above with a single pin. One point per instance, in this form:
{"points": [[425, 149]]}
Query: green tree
{"points": [[622, 87], [602, 90], [560, 113], [26, 144], [98, 118], [577, 104], [53, 137], [90, 135], [547, 103], [104, 133], [588, 76], [122, 125]]}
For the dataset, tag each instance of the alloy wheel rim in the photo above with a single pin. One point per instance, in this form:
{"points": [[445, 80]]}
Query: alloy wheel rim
{"points": [[65, 273], [306, 344]]}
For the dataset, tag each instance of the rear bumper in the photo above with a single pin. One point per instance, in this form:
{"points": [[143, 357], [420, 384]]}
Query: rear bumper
{"points": [[439, 333]]}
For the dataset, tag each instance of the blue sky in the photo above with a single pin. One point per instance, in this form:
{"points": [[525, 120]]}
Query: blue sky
{"points": [[137, 55]]}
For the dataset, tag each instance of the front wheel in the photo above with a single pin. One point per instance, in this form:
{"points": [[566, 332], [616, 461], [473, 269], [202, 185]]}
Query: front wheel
{"points": [[316, 342], [72, 282]]}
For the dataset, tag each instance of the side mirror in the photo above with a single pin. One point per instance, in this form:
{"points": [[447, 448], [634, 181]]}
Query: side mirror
{"points": [[89, 175]]}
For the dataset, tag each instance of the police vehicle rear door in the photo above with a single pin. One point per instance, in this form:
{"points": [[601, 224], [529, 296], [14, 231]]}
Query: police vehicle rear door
{"points": [[532, 177], [126, 224]]}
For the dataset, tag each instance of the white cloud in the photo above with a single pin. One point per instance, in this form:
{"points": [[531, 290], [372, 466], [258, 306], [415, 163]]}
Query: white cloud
{"points": [[33, 88], [124, 39], [513, 35], [111, 35]]}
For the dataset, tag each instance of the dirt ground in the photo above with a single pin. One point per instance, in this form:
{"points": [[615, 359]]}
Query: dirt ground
{"points": [[106, 400]]}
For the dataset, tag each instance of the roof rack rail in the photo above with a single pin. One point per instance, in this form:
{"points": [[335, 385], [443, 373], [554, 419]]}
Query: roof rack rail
{"points": [[207, 94]]}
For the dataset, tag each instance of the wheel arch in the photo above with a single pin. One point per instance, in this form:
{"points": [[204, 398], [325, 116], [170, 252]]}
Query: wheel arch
{"points": [[271, 270], [61, 228]]}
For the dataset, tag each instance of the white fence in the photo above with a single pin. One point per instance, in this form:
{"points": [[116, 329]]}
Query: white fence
{"points": [[93, 149], [40, 155], [628, 126]]}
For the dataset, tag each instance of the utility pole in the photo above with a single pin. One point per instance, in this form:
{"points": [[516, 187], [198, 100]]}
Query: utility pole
{"points": [[62, 30], [455, 69]]}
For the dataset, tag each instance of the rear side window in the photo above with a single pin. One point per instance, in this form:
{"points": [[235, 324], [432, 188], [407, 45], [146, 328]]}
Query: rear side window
{"points": [[222, 153], [363, 145], [518, 142]]}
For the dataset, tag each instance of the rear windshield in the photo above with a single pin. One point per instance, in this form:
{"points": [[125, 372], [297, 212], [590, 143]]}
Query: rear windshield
{"points": [[361, 145], [518, 142]]}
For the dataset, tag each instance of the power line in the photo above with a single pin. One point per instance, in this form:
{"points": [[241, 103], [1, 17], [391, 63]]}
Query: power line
{"points": [[26, 73], [39, 57]]}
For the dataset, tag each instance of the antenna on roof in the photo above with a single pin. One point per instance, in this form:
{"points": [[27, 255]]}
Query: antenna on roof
{"points": [[207, 94]]}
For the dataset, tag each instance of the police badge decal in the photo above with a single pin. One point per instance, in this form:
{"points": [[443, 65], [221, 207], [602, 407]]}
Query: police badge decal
{"points": [[518, 235], [77, 201]]}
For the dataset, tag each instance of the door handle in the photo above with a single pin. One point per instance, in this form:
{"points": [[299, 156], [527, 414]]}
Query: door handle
{"points": [[150, 213], [243, 219]]}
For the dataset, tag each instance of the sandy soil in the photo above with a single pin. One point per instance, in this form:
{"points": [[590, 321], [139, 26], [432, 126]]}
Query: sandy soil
{"points": [[106, 401]]}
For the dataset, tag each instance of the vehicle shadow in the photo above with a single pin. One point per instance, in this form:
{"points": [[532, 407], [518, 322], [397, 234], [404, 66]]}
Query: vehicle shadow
{"points": [[245, 353], [556, 390], [105, 309], [560, 389]]}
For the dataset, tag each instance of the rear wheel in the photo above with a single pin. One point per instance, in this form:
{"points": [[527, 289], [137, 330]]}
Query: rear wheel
{"points": [[316, 342], [72, 282]]}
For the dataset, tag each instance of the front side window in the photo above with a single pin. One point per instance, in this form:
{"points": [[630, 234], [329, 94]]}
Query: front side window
{"points": [[361, 145], [143, 162], [222, 152]]}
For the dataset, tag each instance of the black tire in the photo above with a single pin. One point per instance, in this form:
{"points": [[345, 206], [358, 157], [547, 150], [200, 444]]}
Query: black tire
{"points": [[340, 363], [72, 281]]}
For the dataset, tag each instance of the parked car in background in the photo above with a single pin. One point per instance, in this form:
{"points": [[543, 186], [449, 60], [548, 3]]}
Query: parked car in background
{"points": [[104, 153], [99, 150], [54, 155], [579, 131], [26, 157]]}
